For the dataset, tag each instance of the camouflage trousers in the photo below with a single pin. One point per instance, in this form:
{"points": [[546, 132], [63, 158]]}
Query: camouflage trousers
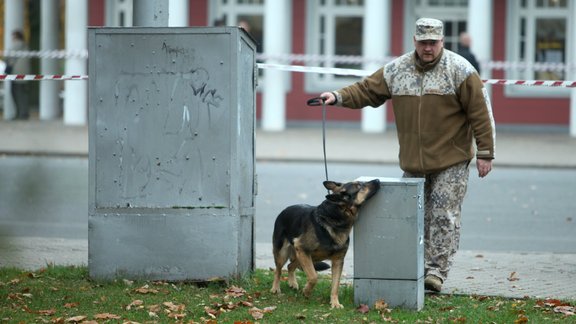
{"points": [[444, 193]]}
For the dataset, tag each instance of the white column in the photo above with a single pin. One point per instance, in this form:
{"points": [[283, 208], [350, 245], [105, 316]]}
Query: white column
{"points": [[49, 101], [573, 110], [76, 92], [274, 95], [13, 20], [178, 13], [480, 22], [376, 41]]}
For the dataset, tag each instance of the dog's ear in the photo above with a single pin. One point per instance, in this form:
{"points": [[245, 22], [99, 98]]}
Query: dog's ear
{"points": [[332, 185]]}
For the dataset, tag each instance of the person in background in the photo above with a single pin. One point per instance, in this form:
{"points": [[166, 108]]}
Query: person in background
{"points": [[19, 65], [440, 108], [464, 50]]}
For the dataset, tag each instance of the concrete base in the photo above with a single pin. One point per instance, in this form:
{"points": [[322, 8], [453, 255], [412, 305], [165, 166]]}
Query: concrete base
{"points": [[407, 294], [178, 246]]}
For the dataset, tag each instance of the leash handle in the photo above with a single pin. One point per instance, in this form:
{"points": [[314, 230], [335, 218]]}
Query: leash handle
{"points": [[317, 101]]}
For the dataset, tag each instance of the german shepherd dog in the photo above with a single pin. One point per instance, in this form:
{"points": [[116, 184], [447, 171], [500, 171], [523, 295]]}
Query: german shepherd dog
{"points": [[307, 235]]}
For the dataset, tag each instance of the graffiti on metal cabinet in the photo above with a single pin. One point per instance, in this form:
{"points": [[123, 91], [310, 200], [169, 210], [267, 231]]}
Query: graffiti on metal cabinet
{"points": [[154, 159]]}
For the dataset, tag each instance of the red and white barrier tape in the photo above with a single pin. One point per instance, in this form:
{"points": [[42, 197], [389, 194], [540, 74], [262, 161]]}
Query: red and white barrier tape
{"points": [[315, 59], [363, 73], [40, 77], [52, 54], [303, 69], [534, 83], [355, 59]]}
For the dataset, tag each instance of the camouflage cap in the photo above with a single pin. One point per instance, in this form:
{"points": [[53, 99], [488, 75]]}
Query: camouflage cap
{"points": [[429, 29]]}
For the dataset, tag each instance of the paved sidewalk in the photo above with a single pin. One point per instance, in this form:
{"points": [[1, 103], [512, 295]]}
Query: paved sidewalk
{"points": [[513, 148], [513, 275]]}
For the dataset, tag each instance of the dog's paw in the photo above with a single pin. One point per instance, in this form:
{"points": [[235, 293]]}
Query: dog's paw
{"points": [[292, 283], [336, 305], [275, 290]]}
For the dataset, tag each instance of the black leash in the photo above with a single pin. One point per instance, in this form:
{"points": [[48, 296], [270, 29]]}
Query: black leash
{"points": [[317, 101]]}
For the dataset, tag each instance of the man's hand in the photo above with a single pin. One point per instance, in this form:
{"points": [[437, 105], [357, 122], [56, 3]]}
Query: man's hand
{"points": [[328, 97], [484, 167]]}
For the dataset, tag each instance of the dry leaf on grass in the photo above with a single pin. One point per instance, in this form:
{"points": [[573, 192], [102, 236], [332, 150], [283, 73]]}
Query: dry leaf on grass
{"points": [[106, 316]]}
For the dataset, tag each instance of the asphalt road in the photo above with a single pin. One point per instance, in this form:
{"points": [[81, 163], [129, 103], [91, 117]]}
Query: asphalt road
{"points": [[513, 209]]}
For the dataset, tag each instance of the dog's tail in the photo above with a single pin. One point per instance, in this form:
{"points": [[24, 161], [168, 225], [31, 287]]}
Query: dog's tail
{"points": [[321, 266]]}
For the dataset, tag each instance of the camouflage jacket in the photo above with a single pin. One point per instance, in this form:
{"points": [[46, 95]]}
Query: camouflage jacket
{"points": [[439, 109]]}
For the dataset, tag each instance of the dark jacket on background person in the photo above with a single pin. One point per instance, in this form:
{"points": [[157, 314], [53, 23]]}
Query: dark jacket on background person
{"points": [[465, 52], [439, 108]]}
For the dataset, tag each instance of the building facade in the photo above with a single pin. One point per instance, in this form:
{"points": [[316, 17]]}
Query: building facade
{"points": [[513, 39]]}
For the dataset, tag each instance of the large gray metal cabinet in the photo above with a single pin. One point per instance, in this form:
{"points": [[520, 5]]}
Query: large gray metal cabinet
{"points": [[389, 245], [171, 152]]}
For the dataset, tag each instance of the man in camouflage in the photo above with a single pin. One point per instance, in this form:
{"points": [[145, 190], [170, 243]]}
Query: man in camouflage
{"points": [[441, 107]]}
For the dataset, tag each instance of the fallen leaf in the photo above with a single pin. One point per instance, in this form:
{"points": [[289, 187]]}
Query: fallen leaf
{"points": [[247, 304], [363, 308], [106, 316], [269, 309], [71, 305], [75, 319], [174, 307], [380, 305], [256, 313], [135, 303], [211, 312], [32, 275], [177, 315], [146, 290], [47, 312], [152, 314], [234, 291], [521, 319], [566, 310], [513, 277]]}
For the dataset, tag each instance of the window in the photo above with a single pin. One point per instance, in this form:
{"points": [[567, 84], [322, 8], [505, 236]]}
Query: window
{"points": [[538, 30], [334, 30], [452, 30], [248, 14]]}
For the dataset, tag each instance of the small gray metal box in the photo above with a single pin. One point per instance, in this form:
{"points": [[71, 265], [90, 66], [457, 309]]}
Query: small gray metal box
{"points": [[171, 152], [389, 246]]}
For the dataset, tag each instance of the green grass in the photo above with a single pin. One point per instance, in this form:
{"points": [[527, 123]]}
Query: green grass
{"points": [[67, 295]]}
